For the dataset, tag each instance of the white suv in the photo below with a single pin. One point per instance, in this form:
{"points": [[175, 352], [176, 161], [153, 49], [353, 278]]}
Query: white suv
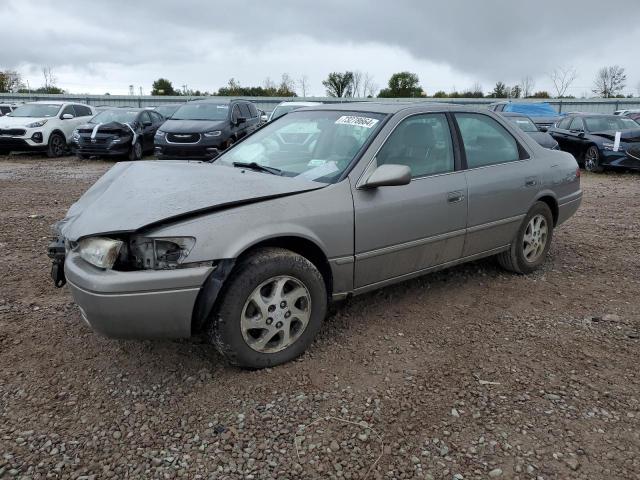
{"points": [[42, 126]]}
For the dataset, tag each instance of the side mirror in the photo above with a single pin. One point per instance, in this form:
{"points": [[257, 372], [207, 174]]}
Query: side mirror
{"points": [[241, 120], [581, 133], [388, 175], [67, 116]]}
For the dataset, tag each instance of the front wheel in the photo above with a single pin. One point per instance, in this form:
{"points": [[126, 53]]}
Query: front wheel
{"points": [[532, 242], [136, 151], [592, 160], [272, 307], [57, 146]]}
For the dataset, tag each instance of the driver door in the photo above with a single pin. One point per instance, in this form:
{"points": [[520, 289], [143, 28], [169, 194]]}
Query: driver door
{"points": [[402, 230]]}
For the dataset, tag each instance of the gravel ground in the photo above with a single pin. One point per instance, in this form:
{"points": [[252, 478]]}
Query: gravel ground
{"points": [[468, 373]]}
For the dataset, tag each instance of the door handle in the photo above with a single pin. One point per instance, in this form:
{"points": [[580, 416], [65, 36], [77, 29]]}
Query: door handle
{"points": [[454, 197]]}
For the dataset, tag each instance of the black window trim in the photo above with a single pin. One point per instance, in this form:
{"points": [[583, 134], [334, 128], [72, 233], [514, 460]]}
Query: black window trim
{"points": [[523, 153]]}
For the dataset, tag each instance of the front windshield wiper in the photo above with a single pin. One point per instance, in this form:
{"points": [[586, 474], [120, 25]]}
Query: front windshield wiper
{"points": [[258, 167]]}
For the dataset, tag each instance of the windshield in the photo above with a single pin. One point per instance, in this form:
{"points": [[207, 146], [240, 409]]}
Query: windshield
{"points": [[600, 124], [281, 110], [36, 110], [108, 116], [315, 145], [202, 111], [167, 110], [525, 124]]}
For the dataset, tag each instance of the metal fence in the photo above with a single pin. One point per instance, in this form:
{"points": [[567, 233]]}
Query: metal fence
{"points": [[268, 103]]}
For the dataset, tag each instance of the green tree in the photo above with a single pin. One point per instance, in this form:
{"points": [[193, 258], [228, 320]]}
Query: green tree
{"points": [[339, 84], [541, 94], [162, 86], [440, 94], [402, 85], [10, 81], [499, 91], [516, 92]]}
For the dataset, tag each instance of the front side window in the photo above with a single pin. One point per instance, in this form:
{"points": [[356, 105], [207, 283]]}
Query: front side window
{"points": [[486, 142], [313, 145], [421, 142], [69, 110], [244, 110]]}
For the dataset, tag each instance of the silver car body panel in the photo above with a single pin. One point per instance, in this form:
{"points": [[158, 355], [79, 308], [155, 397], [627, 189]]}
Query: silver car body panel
{"points": [[370, 237]]}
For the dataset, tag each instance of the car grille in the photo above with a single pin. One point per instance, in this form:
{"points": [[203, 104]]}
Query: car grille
{"points": [[182, 152], [634, 152], [183, 137], [14, 132]]}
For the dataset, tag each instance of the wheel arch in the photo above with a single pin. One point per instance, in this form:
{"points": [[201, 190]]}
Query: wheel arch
{"points": [[552, 203], [210, 293], [56, 131]]}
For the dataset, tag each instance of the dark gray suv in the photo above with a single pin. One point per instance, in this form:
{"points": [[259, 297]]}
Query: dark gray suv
{"points": [[199, 130]]}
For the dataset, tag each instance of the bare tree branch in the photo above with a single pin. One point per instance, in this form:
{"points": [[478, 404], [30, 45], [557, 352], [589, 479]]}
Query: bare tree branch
{"points": [[562, 78]]}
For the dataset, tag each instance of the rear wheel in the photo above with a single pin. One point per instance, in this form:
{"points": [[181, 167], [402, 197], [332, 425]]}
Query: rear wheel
{"points": [[272, 306], [592, 160], [532, 242], [57, 146]]}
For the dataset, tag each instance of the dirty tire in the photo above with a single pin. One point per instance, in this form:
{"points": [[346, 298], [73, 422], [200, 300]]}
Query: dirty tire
{"points": [[225, 330], [57, 146], [514, 259], [136, 152]]}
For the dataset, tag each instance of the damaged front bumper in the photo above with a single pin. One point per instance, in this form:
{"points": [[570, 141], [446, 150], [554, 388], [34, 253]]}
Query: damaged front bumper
{"points": [[136, 304], [57, 253]]}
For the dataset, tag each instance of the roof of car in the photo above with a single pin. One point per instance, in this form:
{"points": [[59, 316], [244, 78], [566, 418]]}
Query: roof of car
{"points": [[593, 114], [389, 107], [513, 114], [300, 104]]}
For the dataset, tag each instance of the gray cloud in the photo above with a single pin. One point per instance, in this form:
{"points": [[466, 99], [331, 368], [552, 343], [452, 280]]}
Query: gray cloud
{"points": [[488, 40]]}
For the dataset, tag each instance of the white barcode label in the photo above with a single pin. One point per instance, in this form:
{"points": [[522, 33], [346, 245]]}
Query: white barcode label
{"points": [[365, 122]]}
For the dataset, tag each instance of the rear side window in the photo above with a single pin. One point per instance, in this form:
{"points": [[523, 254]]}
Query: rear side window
{"points": [[564, 123], [423, 143], [486, 142], [576, 124]]}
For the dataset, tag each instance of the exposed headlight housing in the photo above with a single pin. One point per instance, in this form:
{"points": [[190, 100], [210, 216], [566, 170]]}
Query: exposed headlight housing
{"points": [[215, 133], [609, 146], [159, 253], [36, 124], [160, 133], [99, 251]]}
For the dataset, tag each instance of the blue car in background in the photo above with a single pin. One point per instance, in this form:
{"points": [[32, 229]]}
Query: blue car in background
{"points": [[542, 114]]}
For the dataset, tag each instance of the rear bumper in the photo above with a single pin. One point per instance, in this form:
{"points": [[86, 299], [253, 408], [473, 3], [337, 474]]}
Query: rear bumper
{"points": [[569, 207], [141, 304]]}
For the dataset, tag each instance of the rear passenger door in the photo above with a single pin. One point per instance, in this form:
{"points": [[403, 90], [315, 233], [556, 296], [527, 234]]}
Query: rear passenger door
{"points": [[501, 182], [402, 230]]}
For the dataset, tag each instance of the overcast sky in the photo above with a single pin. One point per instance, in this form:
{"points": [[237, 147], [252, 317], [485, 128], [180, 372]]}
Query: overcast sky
{"points": [[105, 46]]}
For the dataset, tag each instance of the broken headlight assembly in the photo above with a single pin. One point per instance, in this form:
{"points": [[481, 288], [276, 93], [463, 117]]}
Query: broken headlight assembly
{"points": [[99, 251], [147, 253]]}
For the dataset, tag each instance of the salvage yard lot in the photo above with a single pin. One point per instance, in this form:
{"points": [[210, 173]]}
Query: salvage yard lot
{"points": [[471, 372]]}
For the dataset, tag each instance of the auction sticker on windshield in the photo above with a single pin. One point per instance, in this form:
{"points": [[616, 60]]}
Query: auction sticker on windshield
{"points": [[365, 122]]}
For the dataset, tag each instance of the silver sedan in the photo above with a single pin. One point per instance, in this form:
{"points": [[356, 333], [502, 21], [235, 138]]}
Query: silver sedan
{"points": [[323, 203]]}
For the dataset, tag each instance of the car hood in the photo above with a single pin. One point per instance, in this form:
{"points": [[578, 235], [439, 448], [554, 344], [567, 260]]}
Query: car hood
{"points": [[625, 135], [192, 126], [20, 121], [543, 139], [134, 195]]}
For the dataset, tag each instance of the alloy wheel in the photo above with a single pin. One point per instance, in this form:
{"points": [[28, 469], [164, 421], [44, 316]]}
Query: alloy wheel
{"points": [[57, 146], [591, 159], [276, 314], [535, 238]]}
